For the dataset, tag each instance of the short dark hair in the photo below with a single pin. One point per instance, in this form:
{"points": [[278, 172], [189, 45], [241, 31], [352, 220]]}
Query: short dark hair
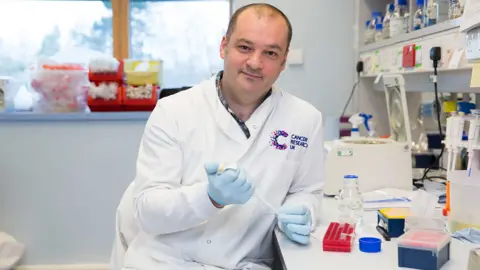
{"points": [[259, 7]]}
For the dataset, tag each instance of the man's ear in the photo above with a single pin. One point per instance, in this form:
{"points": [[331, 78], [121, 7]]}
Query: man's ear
{"points": [[223, 47]]}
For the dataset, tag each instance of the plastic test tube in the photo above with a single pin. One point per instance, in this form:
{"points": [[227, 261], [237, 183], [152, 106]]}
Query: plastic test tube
{"points": [[458, 126], [473, 141]]}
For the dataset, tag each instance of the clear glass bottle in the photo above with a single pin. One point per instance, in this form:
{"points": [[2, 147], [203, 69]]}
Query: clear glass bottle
{"points": [[350, 201], [399, 20], [386, 21], [419, 17], [455, 10], [378, 32], [432, 13]]}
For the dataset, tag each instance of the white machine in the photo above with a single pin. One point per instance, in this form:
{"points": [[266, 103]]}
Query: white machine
{"points": [[378, 163]]}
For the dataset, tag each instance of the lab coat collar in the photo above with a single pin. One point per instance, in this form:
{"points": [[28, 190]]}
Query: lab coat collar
{"points": [[227, 123]]}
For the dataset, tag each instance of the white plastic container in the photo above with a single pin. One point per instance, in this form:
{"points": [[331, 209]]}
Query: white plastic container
{"points": [[464, 200]]}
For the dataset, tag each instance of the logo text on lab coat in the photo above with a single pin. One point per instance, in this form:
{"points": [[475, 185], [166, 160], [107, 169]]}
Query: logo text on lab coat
{"points": [[297, 140]]}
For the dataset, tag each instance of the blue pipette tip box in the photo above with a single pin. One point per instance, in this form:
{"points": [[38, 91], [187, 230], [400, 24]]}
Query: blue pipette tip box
{"points": [[423, 249]]}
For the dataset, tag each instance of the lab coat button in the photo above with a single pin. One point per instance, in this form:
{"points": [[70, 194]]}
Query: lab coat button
{"points": [[208, 241], [254, 126]]}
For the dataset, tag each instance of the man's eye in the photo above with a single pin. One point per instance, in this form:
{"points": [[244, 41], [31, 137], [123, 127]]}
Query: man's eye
{"points": [[244, 48], [273, 54]]}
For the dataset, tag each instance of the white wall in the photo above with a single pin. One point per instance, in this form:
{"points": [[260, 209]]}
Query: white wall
{"points": [[60, 184], [324, 31]]}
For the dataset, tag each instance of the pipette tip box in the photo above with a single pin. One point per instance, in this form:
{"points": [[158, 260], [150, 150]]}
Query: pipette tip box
{"points": [[423, 249], [339, 237], [392, 220]]}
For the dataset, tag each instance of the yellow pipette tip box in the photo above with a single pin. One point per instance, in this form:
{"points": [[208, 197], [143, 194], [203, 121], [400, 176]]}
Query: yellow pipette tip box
{"points": [[392, 220]]}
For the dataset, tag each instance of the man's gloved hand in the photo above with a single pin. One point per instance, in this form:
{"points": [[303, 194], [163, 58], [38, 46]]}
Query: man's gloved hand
{"points": [[296, 221], [229, 187]]}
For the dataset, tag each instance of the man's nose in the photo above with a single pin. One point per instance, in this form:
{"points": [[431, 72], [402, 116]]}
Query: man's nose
{"points": [[255, 61]]}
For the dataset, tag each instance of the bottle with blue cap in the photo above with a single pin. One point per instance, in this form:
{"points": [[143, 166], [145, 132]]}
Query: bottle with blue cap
{"points": [[399, 20], [350, 201]]}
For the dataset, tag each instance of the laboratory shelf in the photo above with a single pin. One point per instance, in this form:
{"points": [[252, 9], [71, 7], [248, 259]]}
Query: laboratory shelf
{"points": [[418, 34]]}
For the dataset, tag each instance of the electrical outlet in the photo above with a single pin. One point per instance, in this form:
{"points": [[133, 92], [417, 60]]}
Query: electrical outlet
{"points": [[473, 45]]}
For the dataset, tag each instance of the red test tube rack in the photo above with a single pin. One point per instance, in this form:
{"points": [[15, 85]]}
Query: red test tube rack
{"points": [[339, 237]]}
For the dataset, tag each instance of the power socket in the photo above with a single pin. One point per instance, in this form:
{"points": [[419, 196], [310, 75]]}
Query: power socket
{"points": [[473, 45]]}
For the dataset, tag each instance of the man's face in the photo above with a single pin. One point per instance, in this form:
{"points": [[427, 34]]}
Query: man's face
{"points": [[256, 53]]}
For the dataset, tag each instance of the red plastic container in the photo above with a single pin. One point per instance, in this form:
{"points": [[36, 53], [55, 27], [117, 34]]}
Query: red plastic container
{"points": [[112, 105], [99, 77], [339, 237], [141, 104]]}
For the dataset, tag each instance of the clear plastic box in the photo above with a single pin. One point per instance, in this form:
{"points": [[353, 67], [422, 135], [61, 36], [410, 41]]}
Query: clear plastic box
{"points": [[423, 249], [464, 193]]}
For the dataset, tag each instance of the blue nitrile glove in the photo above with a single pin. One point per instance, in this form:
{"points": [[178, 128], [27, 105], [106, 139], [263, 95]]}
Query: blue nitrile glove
{"points": [[229, 187], [295, 222]]}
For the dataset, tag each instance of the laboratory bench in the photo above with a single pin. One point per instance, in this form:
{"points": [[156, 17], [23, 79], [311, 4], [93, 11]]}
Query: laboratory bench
{"points": [[292, 256]]}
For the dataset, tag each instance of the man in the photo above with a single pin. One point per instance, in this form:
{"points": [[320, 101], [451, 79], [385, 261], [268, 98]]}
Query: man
{"points": [[192, 216]]}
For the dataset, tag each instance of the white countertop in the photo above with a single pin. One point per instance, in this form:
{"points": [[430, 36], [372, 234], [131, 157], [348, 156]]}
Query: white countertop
{"points": [[297, 257]]}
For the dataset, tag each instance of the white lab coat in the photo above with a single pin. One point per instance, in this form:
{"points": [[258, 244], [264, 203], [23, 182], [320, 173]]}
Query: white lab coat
{"points": [[126, 228], [181, 229]]}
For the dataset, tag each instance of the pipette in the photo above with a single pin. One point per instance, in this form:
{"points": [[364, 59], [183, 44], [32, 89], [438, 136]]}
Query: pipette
{"points": [[473, 137], [449, 141], [458, 126], [224, 167]]}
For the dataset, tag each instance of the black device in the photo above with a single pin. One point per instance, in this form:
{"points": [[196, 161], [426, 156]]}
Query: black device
{"points": [[435, 55]]}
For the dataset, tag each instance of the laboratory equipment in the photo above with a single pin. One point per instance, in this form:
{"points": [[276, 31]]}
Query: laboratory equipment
{"points": [[455, 10], [423, 249], [372, 26], [419, 16], [378, 32], [386, 21], [350, 201], [378, 162], [62, 87], [474, 259], [223, 167], [356, 120], [432, 13], [370, 244], [339, 237], [392, 220], [463, 198], [399, 19]]}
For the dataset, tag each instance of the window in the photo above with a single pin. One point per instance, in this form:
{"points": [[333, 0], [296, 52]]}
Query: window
{"points": [[185, 35], [32, 29]]}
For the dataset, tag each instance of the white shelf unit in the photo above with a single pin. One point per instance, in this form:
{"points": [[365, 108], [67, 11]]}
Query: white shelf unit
{"points": [[385, 57]]}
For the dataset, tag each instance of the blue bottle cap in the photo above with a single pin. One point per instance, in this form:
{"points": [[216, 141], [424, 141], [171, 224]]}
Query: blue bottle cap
{"points": [[350, 176], [376, 14], [391, 7], [379, 26], [420, 3], [370, 244], [402, 2]]}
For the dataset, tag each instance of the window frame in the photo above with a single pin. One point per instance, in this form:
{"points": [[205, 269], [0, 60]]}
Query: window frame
{"points": [[121, 25]]}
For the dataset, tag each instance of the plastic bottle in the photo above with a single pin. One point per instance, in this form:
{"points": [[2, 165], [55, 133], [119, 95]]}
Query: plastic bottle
{"points": [[378, 32], [368, 36], [350, 201], [386, 21], [432, 13], [419, 17], [399, 20], [454, 10]]}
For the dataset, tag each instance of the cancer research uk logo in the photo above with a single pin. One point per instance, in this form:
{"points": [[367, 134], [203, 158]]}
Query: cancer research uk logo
{"points": [[295, 140]]}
